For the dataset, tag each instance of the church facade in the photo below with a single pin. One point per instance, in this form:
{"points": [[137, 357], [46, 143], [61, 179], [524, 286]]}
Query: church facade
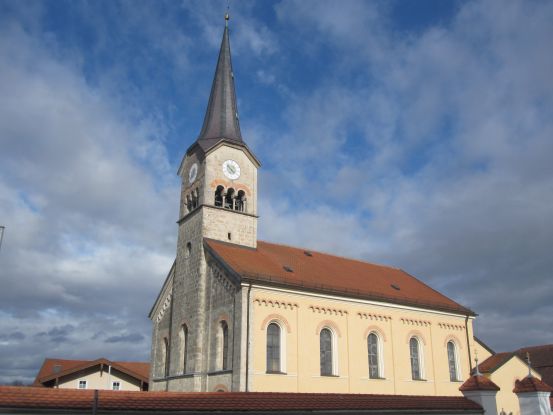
{"points": [[238, 314]]}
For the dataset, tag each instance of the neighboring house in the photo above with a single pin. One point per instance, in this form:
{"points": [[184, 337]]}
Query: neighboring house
{"points": [[541, 358], [238, 314], [93, 374]]}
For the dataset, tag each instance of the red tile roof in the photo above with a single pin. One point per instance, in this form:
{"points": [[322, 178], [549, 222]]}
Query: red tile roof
{"points": [[494, 362], [531, 384], [47, 398], [55, 368], [478, 383], [541, 358], [329, 274]]}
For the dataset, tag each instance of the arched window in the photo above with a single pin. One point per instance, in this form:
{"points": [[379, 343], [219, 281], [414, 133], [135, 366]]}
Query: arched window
{"points": [[373, 344], [165, 357], [240, 202], [327, 368], [184, 347], [223, 346], [194, 198], [219, 196], [189, 203], [414, 351], [452, 361], [273, 348], [229, 199]]}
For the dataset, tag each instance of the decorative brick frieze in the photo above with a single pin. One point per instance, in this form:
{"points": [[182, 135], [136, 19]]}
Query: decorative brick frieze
{"points": [[270, 302]]}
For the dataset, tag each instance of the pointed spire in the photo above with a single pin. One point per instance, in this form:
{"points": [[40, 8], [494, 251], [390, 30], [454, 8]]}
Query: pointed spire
{"points": [[221, 117]]}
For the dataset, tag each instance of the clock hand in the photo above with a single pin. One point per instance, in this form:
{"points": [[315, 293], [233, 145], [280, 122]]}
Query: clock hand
{"points": [[230, 169]]}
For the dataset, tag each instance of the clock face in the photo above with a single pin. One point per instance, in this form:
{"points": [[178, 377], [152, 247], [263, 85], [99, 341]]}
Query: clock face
{"points": [[231, 169], [192, 173]]}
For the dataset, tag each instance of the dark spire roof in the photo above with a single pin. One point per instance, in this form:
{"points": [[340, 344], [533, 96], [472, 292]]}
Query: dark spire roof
{"points": [[221, 117]]}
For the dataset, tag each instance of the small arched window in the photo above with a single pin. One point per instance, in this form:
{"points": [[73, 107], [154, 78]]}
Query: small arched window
{"points": [[229, 199], [165, 357], [273, 348], [327, 368], [189, 203], [194, 198], [184, 347], [240, 202], [414, 351], [374, 356], [223, 346], [219, 196], [452, 361]]}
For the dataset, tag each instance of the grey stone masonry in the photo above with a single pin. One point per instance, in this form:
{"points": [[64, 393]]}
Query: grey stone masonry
{"points": [[203, 301]]}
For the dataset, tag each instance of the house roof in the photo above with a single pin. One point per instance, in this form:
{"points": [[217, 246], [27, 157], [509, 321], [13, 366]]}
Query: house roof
{"points": [[478, 383], [531, 384], [494, 362], [160, 402], [541, 358], [304, 269], [56, 368]]}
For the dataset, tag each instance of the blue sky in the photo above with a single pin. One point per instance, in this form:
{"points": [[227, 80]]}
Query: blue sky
{"points": [[412, 133]]}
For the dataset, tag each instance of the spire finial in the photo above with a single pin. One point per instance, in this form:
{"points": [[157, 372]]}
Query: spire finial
{"points": [[529, 364], [477, 372], [227, 15]]}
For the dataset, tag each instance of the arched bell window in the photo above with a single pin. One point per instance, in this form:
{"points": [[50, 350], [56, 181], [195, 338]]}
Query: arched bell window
{"points": [[219, 196], [229, 199], [240, 202]]}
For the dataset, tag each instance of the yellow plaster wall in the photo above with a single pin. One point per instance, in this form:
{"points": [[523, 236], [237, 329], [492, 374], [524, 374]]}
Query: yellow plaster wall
{"points": [[304, 315], [99, 380], [505, 377]]}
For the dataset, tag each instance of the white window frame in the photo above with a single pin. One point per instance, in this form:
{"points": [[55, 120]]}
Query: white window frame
{"points": [[79, 384], [118, 382], [380, 356]]}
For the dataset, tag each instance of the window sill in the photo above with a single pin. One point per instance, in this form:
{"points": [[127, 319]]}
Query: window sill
{"points": [[330, 376], [219, 372], [379, 378], [269, 372], [419, 380]]}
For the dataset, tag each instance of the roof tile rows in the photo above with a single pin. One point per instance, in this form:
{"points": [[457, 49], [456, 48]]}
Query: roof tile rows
{"points": [[330, 274], [34, 397], [478, 383], [531, 384]]}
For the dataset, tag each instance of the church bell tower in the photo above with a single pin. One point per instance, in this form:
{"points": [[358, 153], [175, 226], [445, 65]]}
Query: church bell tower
{"points": [[218, 201]]}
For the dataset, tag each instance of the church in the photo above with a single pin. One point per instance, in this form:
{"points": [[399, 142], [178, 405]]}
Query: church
{"points": [[236, 314]]}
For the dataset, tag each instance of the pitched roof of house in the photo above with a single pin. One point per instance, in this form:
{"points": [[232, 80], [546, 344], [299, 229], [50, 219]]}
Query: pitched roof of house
{"points": [[494, 362], [56, 368], [478, 383], [541, 358], [304, 269], [160, 402]]}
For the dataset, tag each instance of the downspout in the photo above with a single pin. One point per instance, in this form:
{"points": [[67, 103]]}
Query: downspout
{"points": [[248, 337], [468, 343]]}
